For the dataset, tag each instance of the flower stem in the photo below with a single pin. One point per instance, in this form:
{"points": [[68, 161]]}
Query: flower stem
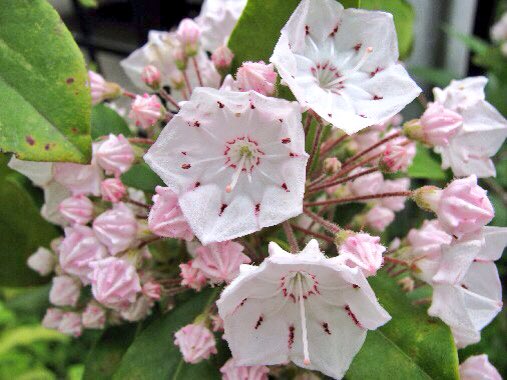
{"points": [[329, 145], [291, 238], [328, 225], [336, 201], [340, 181], [164, 94], [329, 239], [315, 146], [197, 71], [372, 147], [140, 140], [187, 82]]}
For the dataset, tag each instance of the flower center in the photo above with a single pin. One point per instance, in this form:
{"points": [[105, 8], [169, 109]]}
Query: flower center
{"points": [[243, 155]]}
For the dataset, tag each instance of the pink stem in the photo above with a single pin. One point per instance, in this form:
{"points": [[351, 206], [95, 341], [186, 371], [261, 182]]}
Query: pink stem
{"points": [[336, 201]]}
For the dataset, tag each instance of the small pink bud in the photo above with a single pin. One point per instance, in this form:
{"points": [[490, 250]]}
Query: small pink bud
{"points": [[196, 343], [188, 33], [152, 290], [217, 323], [192, 277], [439, 124], [43, 261], [115, 282], [79, 248], [146, 110], [222, 58], [112, 190], [71, 324], [115, 155], [77, 209], [94, 316], [52, 318], [165, 218], [256, 76], [464, 207], [231, 371], [379, 218], [478, 368], [101, 89], [364, 251], [220, 262], [116, 228], [151, 76], [138, 310], [64, 291], [332, 165], [397, 156], [407, 284]]}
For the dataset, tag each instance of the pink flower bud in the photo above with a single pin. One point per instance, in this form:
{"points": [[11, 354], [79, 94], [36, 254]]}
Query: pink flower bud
{"points": [[180, 60], [79, 179], [115, 282], [395, 185], [116, 228], [151, 76], [407, 284], [397, 156], [217, 323], [428, 240], [113, 190], [231, 371], [379, 218], [464, 207], [115, 155], [138, 310], [222, 58], [188, 33], [79, 248], [52, 318], [192, 277], [94, 316], [64, 291], [364, 251], [332, 165], [196, 343], [152, 290], [77, 209], [256, 76], [101, 89], [166, 218], [71, 324], [439, 124], [220, 262], [42, 261], [145, 110], [478, 368]]}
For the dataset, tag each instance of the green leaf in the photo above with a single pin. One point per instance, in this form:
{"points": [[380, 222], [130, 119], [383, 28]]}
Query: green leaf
{"points": [[31, 302], [426, 165], [89, 3], [105, 356], [436, 77], [45, 107], [153, 354], [142, 177], [106, 121], [26, 335], [411, 346], [475, 44]]}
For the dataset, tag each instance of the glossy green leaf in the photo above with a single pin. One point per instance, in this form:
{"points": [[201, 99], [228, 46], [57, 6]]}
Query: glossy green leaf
{"points": [[153, 355], [45, 107], [142, 177], [106, 355], [426, 165], [411, 346], [106, 121]]}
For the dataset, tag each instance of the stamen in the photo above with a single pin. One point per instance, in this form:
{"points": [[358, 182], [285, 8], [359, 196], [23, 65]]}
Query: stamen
{"points": [[236, 174], [358, 65], [303, 321]]}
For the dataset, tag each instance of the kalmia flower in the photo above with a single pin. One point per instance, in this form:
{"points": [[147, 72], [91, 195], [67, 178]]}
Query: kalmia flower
{"points": [[112, 190], [299, 307], [146, 110], [220, 262], [115, 282], [192, 276], [70, 324], [188, 33], [196, 343], [77, 209], [363, 251], [231, 371], [54, 194], [65, 291], [236, 160], [42, 261], [343, 64], [80, 248], [115, 155], [94, 316], [40, 173], [256, 76], [101, 89], [395, 185], [52, 318], [397, 157], [165, 218], [116, 228], [379, 218], [439, 124], [152, 290], [478, 368]]}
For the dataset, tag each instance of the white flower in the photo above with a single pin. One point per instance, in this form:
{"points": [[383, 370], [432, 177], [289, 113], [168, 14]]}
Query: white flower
{"points": [[40, 173], [299, 307], [343, 64], [236, 160], [461, 94], [217, 20]]}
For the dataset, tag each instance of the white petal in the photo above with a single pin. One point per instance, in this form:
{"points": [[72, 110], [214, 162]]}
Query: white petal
{"points": [[495, 242], [40, 173]]}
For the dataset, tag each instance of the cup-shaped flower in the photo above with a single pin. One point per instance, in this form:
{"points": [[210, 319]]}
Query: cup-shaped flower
{"points": [[42, 261], [363, 251], [94, 316], [299, 307], [256, 76], [115, 155], [40, 173], [116, 228], [220, 262], [77, 209], [65, 291], [461, 94], [71, 324], [231, 371], [115, 282], [343, 64], [196, 343], [113, 190], [165, 218], [236, 160], [52, 318], [191, 276], [478, 367]]}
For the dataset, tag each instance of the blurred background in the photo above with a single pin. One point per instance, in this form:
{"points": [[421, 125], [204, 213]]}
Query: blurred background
{"points": [[452, 40]]}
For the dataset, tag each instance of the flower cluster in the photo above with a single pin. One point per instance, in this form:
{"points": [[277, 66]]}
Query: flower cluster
{"points": [[241, 165]]}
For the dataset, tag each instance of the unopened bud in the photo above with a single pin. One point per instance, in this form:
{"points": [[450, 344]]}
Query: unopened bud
{"points": [[222, 58], [101, 89], [427, 197], [407, 284], [332, 165], [189, 33], [151, 76]]}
